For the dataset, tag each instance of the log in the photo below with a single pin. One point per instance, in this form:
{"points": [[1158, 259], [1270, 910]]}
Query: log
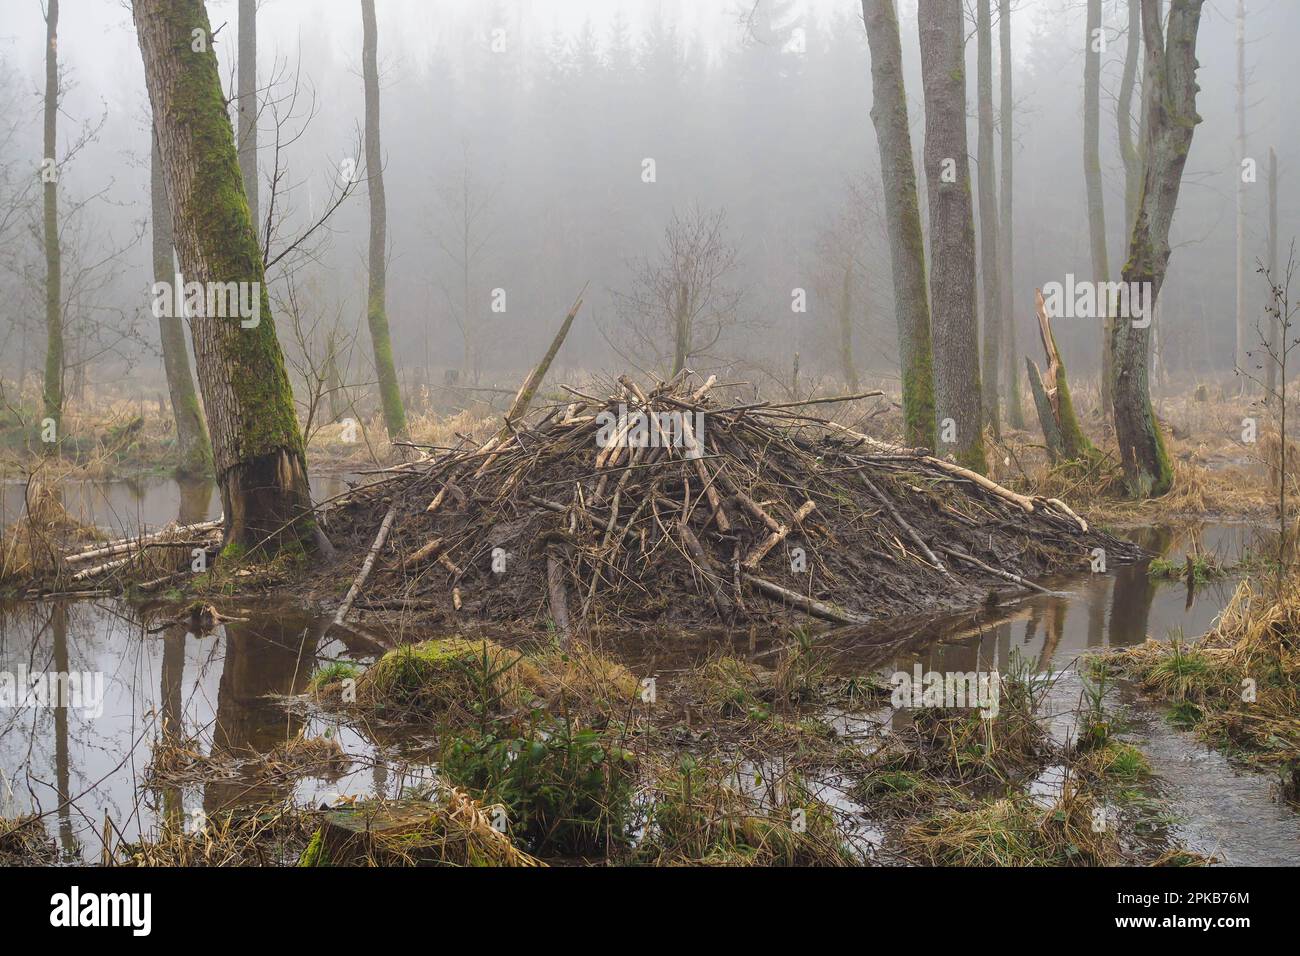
{"points": [[810, 605], [760, 550], [367, 564]]}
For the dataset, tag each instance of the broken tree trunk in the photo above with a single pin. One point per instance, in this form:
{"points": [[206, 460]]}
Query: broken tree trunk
{"points": [[1061, 432]]}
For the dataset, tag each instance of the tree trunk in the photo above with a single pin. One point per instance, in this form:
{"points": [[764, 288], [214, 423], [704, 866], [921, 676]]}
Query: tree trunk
{"points": [[903, 219], [1171, 118], [990, 272], [1243, 337], [53, 385], [256, 443], [846, 330], [1092, 180], [193, 452], [377, 312], [246, 103], [1275, 342], [1064, 438], [952, 232], [1011, 374], [1128, 148]]}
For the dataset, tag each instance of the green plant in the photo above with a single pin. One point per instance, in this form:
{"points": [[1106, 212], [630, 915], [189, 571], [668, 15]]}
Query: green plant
{"points": [[567, 789]]}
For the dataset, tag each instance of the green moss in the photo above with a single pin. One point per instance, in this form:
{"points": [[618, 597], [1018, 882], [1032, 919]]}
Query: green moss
{"points": [[314, 854]]}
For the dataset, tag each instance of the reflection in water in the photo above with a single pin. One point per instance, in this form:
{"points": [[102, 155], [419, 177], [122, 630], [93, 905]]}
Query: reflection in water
{"points": [[130, 506], [217, 692], [272, 657]]}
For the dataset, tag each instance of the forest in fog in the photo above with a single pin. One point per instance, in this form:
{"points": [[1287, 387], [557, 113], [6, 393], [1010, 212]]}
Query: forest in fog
{"points": [[600, 433], [513, 141]]}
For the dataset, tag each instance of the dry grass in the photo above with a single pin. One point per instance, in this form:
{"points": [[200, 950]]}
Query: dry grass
{"points": [[454, 830], [24, 841], [1016, 831]]}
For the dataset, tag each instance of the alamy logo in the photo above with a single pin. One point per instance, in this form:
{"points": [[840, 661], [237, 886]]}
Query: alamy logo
{"points": [[649, 429], [1084, 299], [950, 689], [75, 690], [209, 300], [103, 909]]}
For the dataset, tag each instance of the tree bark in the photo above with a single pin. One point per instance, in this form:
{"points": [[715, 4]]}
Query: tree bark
{"points": [[1006, 232], [53, 384], [1092, 181], [990, 271], [257, 446], [193, 451], [952, 231], [1128, 147], [1171, 118], [246, 103], [903, 220], [377, 311]]}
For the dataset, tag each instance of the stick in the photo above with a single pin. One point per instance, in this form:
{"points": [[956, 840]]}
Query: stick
{"points": [[911, 532], [127, 544], [367, 564], [761, 549], [526, 391], [558, 595], [813, 607], [1015, 578]]}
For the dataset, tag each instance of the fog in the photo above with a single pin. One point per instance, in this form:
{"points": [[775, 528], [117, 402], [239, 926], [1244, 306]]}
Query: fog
{"points": [[537, 117]]}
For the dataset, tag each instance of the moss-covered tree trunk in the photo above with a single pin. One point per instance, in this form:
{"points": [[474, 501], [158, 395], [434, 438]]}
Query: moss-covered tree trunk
{"points": [[952, 233], [1092, 182], [52, 391], [246, 104], [390, 394], [903, 220], [1171, 118], [257, 446], [990, 272], [193, 451], [1006, 231]]}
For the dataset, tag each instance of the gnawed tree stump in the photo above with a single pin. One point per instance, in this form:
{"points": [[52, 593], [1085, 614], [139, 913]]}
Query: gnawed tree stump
{"points": [[1062, 435]]}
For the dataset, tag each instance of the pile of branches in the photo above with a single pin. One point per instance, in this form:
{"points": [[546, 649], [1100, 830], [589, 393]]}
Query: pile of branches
{"points": [[674, 508]]}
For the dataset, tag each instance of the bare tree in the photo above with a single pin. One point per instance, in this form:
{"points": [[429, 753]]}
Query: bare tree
{"points": [[990, 271], [903, 218], [1094, 41], [194, 452], [390, 394], [681, 303], [952, 233], [1171, 119], [53, 387], [1006, 232]]}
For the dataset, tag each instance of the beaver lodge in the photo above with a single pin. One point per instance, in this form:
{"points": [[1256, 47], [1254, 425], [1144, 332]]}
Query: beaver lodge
{"points": [[672, 507]]}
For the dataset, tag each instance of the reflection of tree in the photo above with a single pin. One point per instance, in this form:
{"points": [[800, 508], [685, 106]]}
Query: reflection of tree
{"points": [[1130, 607], [62, 764], [196, 496], [1057, 608], [172, 707], [270, 655]]}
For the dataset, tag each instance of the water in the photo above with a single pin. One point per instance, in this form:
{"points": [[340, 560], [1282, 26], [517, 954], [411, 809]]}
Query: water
{"points": [[122, 508], [226, 690]]}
